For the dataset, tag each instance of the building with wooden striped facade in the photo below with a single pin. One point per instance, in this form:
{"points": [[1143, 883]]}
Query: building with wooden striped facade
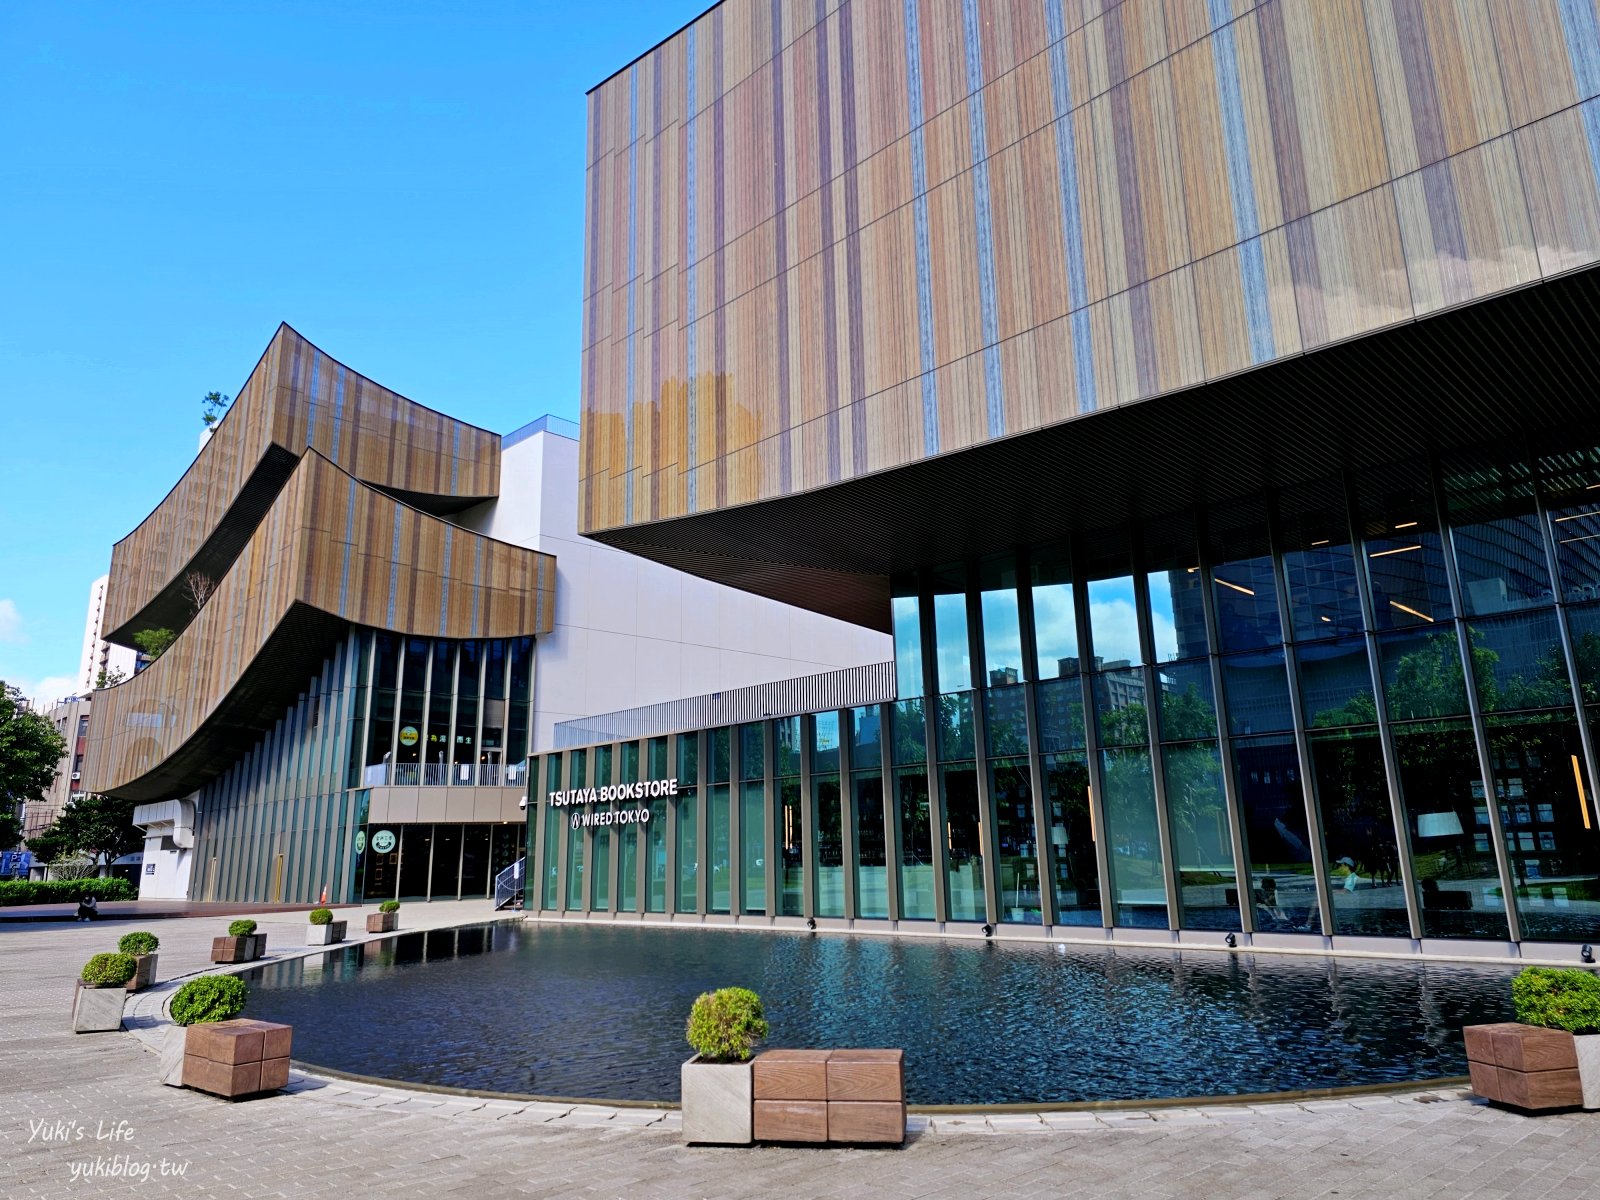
{"points": [[1202, 393], [379, 611]]}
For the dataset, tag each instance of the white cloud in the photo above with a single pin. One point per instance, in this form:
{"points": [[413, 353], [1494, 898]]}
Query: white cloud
{"points": [[42, 693], [11, 623]]}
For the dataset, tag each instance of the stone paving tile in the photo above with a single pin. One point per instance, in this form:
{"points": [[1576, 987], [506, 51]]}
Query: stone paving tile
{"points": [[341, 1140]]}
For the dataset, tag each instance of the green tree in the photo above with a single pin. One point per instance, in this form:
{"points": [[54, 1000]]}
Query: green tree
{"points": [[154, 642], [49, 845], [10, 829], [30, 755], [94, 825], [213, 408], [109, 678]]}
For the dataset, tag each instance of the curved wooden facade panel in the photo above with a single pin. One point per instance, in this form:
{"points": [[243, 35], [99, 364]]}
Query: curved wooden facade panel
{"points": [[296, 399], [829, 239], [330, 552]]}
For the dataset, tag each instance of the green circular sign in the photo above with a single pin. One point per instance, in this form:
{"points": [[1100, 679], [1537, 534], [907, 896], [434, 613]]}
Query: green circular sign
{"points": [[383, 841]]}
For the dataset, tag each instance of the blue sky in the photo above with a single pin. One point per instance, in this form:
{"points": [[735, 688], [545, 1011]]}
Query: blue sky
{"points": [[400, 181]]}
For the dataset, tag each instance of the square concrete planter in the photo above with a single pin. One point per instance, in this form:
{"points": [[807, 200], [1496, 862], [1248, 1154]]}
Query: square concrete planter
{"points": [[383, 922], [97, 1009], [172, 1047], [717, 1102], [325, 935], [237, 1058], [1587, 1046], [145, 975]]}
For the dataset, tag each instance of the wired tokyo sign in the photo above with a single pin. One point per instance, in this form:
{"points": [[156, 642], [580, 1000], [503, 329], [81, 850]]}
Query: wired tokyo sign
{"points": [[645, 790]]}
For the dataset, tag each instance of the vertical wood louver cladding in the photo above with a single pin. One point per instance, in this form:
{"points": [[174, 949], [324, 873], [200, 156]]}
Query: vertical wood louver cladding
{"points": [[296, 399], [330, 552], [827, 239]]}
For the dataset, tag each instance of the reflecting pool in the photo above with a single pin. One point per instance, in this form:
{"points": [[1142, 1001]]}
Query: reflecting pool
{"points": [[588, 1011]]}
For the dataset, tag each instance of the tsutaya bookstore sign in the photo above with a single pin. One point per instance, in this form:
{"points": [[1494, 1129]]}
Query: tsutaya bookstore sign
{"points": [[649, 789]]}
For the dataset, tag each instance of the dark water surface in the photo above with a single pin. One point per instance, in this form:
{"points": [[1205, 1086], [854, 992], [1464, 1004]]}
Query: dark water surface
{"points": [[599, 1012]]}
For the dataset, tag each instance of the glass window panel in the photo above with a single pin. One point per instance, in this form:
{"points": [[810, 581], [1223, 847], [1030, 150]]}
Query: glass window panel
{"points": [[753, 840], [1138, 889], [905, 613], [655, 841], [721, 766], [1202, 843], [1002, 627], [1120, 708], [688, 848], [719, 831], [1422, 674], [1584, 625], [444, 882], [829, 842], [866, 737], [792, 865], [1060, 715], [576, 840], [1405, 561], [600, 867], [1552, 839], [963, 844], [1277, 841], [1336, 683], [1445, 808], [1498, 543], [953, 658], [475, 877], [825, 742], [1177, 613], [917, 881], [688, 760], [1187, 708], [416, 845], [786, 737], [908, 728], [630, 763], [1005, 713], [1114, 622], [494, 669], [656, 758], [602, 766], [1362, 860], [381, 870], [1518, 662], [872, 876], [1318, 562], [955, 727], [553, 825], [1247, 604], [1257, 686], [1016, 848], [521, 669], [628, 867], [1055, 623], [752, 751], [1077, 874]]}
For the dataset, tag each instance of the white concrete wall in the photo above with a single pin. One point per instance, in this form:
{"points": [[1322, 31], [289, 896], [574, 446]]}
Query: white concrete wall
{"points": [[170, 879], [629, 631]]}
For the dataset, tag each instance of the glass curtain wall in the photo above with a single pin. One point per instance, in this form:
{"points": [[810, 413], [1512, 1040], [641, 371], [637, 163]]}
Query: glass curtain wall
{"points": [[752, 819], [653, 837], [790, 824], [828, 836], [866, 789], [719, 827], [686, 815]]}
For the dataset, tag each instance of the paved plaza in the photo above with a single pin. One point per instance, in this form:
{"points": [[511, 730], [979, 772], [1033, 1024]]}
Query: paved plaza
{"points": [[83, 1115]]}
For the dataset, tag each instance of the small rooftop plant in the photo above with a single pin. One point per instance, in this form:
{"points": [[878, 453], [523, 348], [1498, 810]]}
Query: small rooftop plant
{"points": [[243, 927], [109, 970], [322, 916], [139, 942], [209, 998], [389, 906], [725, 1025], [1558, 998]]}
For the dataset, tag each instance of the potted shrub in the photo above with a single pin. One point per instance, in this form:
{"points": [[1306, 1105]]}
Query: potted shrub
{"points": [[143, 947], [718, 1093], [243, 944], [324, 930], [386, 919], [1566, 999], [210, 1049], [102, 987], [1538, 1062], [204, 999]]}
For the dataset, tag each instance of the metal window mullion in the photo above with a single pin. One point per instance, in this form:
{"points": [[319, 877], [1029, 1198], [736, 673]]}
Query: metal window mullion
{"points": [[1302, 740], [1564, 628], [1043, 848], [847, 812], [1480, 729], [1391, 760], [702, 840], [937, 820], [808, 822], [891, 811], [988, 844], [669, 899], [1091, 741], [772, 793], [735, 825], [1158, 774]]}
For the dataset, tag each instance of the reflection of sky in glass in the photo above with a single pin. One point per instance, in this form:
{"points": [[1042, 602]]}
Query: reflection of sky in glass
{"points": [[1163, 619], [950, 631], [907, 646], [827, 731], [1055, 628], [1002, 635], [1113, 622]]}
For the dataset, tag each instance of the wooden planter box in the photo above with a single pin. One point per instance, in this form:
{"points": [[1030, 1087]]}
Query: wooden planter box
{"points": [[854, 1097], [238, 949], [236, 1058], [1524, 1066], [325, 935], [146, 973], [383, 922], [97, 1008]]}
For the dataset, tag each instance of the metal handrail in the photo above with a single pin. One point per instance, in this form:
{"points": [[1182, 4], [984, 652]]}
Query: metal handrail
{"points": [[508, 884]]}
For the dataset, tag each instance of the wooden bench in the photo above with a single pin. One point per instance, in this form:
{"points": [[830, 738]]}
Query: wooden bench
{"points": [[853, 1097], [1524, 1065], [236, 1058]]}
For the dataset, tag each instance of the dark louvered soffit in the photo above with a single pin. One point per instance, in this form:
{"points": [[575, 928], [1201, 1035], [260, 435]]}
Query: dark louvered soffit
{"points": [[1512, 367], [849, 688]]}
